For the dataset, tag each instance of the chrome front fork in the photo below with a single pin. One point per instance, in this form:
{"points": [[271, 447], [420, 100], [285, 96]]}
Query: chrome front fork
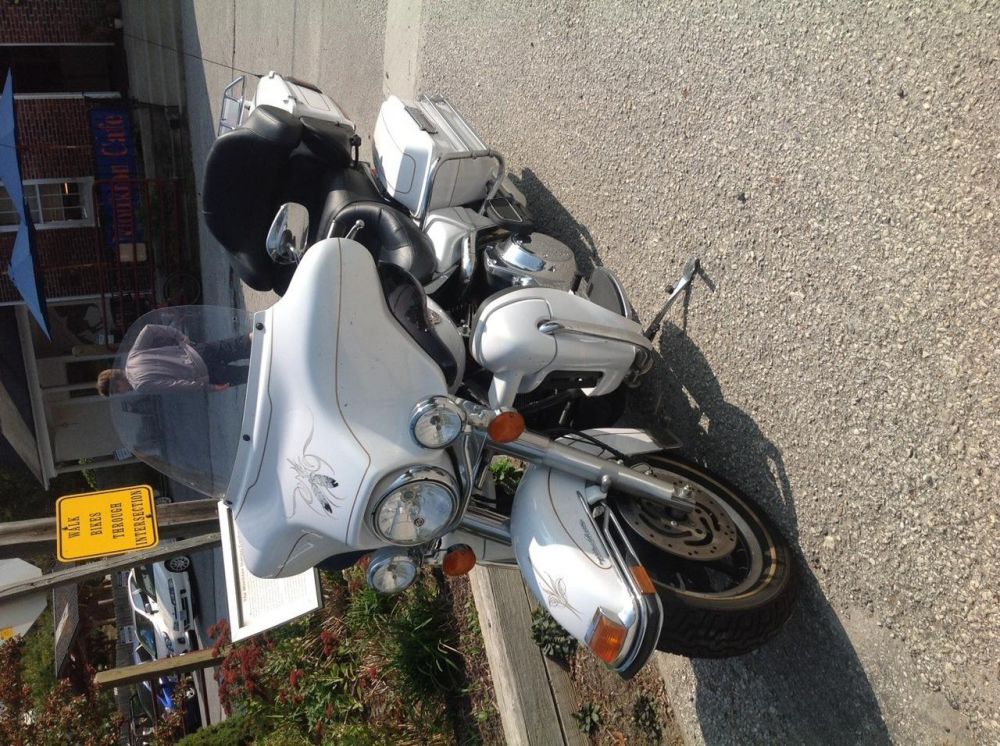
{"points": [[606, 474]]}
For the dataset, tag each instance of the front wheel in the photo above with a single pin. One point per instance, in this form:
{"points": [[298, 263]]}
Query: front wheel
{"points": [[178, 564], [725, 575]]}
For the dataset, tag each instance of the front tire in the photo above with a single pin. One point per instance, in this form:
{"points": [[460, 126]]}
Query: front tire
{"points": [[726, 577]]}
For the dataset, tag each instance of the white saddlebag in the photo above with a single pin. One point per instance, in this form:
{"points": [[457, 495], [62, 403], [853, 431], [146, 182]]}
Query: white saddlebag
{"points": [[410, 138]]}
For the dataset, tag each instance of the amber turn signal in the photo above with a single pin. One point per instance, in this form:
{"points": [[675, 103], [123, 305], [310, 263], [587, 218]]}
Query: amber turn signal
{"points": [[506, 426], [607, 638], [642, 579], [458, 560]]}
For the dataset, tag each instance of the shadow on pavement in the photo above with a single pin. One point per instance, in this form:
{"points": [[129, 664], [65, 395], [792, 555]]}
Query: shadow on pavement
{"points": [[555, 220], [807, 684]]}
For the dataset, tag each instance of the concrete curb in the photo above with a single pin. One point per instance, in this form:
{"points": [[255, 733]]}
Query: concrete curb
{"points": [[534, 696]]}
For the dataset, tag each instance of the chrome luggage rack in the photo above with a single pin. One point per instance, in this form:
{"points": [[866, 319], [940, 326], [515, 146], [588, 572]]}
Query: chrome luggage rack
{"points": [[473, 146], [233, 109]]}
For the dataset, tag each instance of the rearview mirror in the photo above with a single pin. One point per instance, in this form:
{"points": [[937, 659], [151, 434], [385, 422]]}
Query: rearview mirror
{"points": [[286, 241]]}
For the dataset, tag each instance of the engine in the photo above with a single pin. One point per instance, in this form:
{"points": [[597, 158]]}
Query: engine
{"points": [[533, 260]]}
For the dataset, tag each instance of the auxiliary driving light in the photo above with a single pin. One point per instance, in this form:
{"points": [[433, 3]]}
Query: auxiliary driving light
{"points": [[436, 422], [391, 571]]}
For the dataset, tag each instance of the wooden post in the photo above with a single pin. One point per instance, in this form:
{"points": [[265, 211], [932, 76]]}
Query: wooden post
{"points": [[100, 568], [20, 539], [176, 664]]}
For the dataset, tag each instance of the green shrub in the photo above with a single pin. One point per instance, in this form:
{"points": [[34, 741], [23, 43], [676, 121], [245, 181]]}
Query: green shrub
{"points": [[234, 731], [38, 658], [506, 474], [644, 717], [421, 652], [555, 642], [588, 718]]}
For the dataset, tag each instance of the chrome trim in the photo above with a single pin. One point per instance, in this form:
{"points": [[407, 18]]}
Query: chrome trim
{"points": [[611, 520], [386, 556], [537, 449], [358, 226], [426, 406], [289, 232], [409, 475], [488, 525], [421, 212], [690, 268], [598, 331], [468, 257], [226, 122]]}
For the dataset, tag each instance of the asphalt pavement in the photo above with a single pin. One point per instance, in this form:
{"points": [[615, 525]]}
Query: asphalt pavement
{"points": [[835, 168]]}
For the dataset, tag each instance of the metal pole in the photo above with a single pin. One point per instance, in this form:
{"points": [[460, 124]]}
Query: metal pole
{"points": [[100, 568]]}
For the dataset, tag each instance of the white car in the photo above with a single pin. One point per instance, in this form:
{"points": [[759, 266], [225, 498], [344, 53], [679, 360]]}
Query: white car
{"points": [[163, 607]]}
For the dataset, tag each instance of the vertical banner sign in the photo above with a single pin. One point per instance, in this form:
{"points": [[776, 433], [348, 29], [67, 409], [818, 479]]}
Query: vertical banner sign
{"points": [[118, 196], [99, 524]]}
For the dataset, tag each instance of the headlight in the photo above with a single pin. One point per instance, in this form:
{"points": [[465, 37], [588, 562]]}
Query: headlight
{"points": [[418, 506], [436, 422]]}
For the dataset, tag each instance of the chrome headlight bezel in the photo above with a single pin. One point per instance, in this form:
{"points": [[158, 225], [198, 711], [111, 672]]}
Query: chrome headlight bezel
{"points": [[442, 406], [407, 478], [388, 560]]}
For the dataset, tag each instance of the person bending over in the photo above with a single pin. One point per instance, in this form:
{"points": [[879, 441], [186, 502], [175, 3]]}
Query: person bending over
{"points": [[162, 359]]}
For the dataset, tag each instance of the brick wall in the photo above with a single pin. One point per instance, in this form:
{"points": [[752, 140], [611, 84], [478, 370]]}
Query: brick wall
{"points": [[54, 138], [57, 21], [54, 141], [68, 258]]}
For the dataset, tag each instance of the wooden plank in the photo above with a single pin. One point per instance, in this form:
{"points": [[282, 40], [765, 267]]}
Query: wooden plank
{"points": [[563, 693], [38, 536], [524, 698], [193, 661], [89, 570]]}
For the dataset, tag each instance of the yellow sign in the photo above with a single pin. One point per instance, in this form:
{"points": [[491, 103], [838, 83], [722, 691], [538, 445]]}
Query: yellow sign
{"points": [[98, 524], [6, 633]]}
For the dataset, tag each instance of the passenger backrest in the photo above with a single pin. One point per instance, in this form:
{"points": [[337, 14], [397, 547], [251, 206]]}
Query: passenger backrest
{"points": [[245, 174]]}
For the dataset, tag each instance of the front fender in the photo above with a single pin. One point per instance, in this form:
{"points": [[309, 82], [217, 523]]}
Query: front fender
{"points": [[579, 567]]}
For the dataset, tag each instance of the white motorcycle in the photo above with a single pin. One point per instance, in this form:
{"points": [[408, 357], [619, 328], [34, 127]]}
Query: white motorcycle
{"points": [[359, 431], [436, 203]]}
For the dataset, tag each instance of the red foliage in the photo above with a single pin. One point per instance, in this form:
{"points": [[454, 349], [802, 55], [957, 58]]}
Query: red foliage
{"points": [[64, 717], [239, 674]]}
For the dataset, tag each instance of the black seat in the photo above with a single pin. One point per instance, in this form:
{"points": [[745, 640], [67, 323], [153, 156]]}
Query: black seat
{"points": [[347, 186], [272, 158], [391, 237], [330, 141], [408, 304]]}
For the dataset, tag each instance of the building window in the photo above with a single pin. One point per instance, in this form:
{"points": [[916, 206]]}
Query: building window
{"points": [[54, 203]]}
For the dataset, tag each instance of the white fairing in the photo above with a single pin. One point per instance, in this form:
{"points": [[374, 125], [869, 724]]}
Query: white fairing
{"points": [[275, 90], [563, 556], [506, 341], [334, 379], [404, 153]]}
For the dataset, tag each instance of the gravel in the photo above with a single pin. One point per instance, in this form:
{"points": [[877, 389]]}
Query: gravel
{"points": [[835, 169]]}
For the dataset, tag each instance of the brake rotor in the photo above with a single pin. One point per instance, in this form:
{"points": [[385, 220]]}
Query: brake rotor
{"points": [[706, 533]]}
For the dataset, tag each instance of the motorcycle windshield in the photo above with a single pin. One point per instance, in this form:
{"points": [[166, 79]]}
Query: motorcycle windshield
{"points": [[178, 390]]}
